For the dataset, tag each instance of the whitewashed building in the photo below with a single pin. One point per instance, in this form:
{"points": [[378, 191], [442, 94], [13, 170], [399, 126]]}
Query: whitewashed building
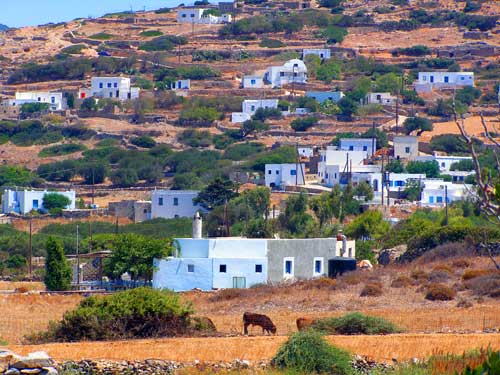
{"points": [[25, 201], [170, 204], [250, 106], [281, 175], [55, 100], [444, 161], [181, 84], [368, 145], [293, 71], [199, 16], [427, 81], [437, 192], [119, 88], [405, 147], [322, 53], [235, 262], [333, 163], [252, 82], [305, 151], [382, 98]]}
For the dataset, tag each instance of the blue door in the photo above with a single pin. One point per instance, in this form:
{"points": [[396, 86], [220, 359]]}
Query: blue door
{"points": [[431, 199]]}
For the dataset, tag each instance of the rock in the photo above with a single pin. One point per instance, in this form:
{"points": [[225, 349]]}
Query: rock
{"points": [[49, 371], [12, 371], [33, 360], [31, 371], [388, 256]]}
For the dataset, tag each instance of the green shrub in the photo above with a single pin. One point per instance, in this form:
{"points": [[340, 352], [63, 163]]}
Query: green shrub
{"points": [[65, 149], [74, 49], [151, 33], [303, 124], [163, 43], [355, 324], [271, 43], [144, 141], [163, 10], [308, 352], [102, 36], [195, 138], [135, 313], [243, 151]]}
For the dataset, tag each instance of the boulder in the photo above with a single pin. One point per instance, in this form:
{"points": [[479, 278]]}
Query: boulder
{"points": [[33, 360], [388, 256]]}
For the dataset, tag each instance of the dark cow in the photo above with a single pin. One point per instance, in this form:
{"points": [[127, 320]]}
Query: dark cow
{"points": [[304, 323], [258, 320]]}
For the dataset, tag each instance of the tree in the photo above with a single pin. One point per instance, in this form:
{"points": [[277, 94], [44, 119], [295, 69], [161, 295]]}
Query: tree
{"points": [[322, 207], [302, 124], [54, 202], [89, 105], [253, 126], [390, 82], [468, 94], [144, 141], [17, 176], [295, 221], [370, 225], [124, 177], [364, 190], [347, 106], [417, 123], [328, 70], [379, 135], [413, 191], [70, 99], [30, 108], [217, 193], [430, 168], [57, 268], [134, 254], [313, 62], [395, 166]]}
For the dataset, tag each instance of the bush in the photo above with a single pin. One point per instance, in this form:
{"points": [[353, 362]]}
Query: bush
{"points": [[418, 50], [401, 282], [271, 43], [195, 138], [355, 324], [163, 43], [135, 313], [308, 352], [472, 274], [485, 285], [144, 141], [65, 149], [439, 292], [371, 290], [102, 36], [302, 124], [151, 33], [57, 269], [74, 50]]}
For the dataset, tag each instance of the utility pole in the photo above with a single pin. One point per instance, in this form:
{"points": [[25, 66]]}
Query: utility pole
{"points": [[227, 219], [77, 260], [296, 163], [90, 235], [93, 182], [382, 180], [446, 203], [30, 260], [373, 139]]}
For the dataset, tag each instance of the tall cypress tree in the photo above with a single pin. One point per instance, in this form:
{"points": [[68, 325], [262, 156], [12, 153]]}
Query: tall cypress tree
{"points": [[57, 269]]}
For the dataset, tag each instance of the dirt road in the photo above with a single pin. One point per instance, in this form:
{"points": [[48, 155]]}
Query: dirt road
{"points": [[382, 348]]}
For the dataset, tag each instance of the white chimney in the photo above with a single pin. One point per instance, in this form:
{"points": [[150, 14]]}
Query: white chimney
{"points": [[197, 225], [342, 237]]}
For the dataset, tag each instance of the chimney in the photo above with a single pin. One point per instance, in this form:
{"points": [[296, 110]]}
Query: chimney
{"points": [[197, 225], [342, 237]]}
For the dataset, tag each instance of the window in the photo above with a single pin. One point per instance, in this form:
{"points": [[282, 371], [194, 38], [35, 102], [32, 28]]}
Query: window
{"points": [[288, 268], [424, 78], [350, 252], [53, 100], [407, 150], [160, 201], [239, 282], [184, 16], [101, 85], [318, 266], [192, 15], [222, 268], [365, 148], [293, 172], [35, 203], [269, 171], [117, 93], [439, 199], [110, 94], [258, 268], [176, 201], [443, 165], [253, 81], [351, 148], [115, 85], [277, 172], [252, 108], [446, 79], [39, 99], [109, 85], [282, 74], [190, 267]]}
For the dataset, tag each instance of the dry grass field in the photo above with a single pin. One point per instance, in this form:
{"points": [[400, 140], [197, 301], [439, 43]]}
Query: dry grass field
{"points": [[381, 348]]}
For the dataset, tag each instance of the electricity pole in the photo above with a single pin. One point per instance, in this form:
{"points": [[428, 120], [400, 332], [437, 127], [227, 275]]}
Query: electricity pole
{"points": [[77, 261], [30, 260], [446, 202]]}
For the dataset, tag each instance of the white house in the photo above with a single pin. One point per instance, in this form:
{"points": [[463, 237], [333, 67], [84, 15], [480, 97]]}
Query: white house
{"points": [[25, 201], [280, 175], [305, 151], [250, 106], [436, 192], [368, 145], [171, 204], [181, 84], [55, 100], [322, 53], [427, 81], [323, 96], [293, 71], [405, 147], [110, 87], [235, 262], [383, 98], [444, 162], [199, 16], [252, 82], [333, 163]]}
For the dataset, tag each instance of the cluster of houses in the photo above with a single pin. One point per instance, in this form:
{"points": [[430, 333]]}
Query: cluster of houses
{"points": [[116, 88], [352, 163]]}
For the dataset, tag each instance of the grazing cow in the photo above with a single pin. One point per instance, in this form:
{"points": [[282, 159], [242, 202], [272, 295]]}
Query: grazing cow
{"points": [[304, 323], [258, 320]]}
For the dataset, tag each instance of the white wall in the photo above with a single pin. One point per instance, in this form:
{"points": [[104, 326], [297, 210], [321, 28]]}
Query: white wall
{"points": [[252, 105], [24, 201], [234, 247], [433, 193], [305, 151], [284, 174], [54, 99], [113, 88], [359, 144], [181, 84], [239, 117], [239, 268], [252, 82], [405, 147], [172, 273], [444, 162], [322, 53], [169, 204]]}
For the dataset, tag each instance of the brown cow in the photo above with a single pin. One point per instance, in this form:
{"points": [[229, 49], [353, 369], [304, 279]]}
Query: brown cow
{"points": [[304, 323], [258, 320]]}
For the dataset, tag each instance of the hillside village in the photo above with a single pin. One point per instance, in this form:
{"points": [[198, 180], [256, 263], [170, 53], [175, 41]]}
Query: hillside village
{"points": [[298, 159]]}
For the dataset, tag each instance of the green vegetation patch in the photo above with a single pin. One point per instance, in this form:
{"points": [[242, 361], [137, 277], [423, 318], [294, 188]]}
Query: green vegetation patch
{"points": [[151, 33], [102, 36], [355, 324], [58, 150]]}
